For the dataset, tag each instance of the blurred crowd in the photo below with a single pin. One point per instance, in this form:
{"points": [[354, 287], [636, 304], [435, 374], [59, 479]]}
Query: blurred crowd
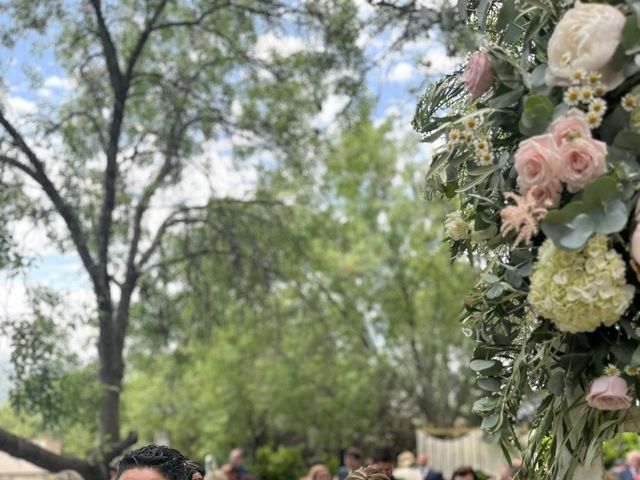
{"points": [[381, 465], [628, 469]]}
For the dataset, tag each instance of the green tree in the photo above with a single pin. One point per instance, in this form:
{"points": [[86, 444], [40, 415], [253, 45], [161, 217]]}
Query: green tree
{"points": [[156, 82], [356, 339]]}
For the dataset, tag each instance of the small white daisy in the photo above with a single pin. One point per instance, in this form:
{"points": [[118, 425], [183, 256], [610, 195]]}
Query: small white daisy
{"points": [[594, 119], [467, 136], [471, 123], [598, 106], [454, 135], [484, 158], [482, 144], [572, 96], [631, 371], [578, 76], [450, 146], [586, 94], [594, 77], [599, 89], [611, 371], [628, 102]]}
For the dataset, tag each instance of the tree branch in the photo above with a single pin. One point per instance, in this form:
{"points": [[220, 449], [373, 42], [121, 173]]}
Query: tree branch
{"points": [[38, 173], [142, 40], [22, 448], [109, 49], [171, 220]]}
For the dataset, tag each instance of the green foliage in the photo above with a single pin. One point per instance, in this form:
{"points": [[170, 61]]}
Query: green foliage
{"points": [[285, 463], [619, 446], [359, 305], [602, 210], [519, 355]]}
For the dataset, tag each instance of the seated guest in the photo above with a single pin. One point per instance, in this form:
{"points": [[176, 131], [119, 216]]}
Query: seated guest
{"points": [[352, 461], [406, 467], [383, 460], [319, 472], [426, 472], [464, 473], [154, 462]]}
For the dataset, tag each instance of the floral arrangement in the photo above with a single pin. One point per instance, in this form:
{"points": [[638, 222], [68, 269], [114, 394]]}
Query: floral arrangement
{"points": [[540, 153]]}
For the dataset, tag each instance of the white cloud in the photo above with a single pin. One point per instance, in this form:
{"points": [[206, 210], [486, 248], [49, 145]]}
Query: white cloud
{"points": [[331, 108], [20, 106], [58, 82], [436, 62], [402, 72], [272, 44]]}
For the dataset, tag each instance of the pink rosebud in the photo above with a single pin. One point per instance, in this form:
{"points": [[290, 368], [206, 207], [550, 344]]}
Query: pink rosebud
{"points": [[572, 124], [478, 75], [583, 160], [536, 162], [609, 393]]}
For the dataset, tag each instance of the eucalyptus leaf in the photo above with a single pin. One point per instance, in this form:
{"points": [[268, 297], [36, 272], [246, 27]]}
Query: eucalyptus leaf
{"points": [[486, 367], [601, 210]]}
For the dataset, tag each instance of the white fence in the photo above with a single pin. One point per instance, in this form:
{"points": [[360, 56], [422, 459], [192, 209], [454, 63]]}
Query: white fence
{"points": [[470, 449]]}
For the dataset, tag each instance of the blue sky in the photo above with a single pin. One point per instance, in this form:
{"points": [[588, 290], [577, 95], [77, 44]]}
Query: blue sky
{"points": [[390, 82]]}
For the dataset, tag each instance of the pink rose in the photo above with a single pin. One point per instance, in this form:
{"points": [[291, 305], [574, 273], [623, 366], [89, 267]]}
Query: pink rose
{"points": [[571, 125], [583, 160], [549, 195], [609, 393], [635, 250], [536, 162], [478, 75]]}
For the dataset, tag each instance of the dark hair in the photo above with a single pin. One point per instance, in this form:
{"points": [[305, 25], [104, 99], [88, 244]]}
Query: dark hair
{"points": [[168, 462], [462, 471], [382, 454], [354, 452]]}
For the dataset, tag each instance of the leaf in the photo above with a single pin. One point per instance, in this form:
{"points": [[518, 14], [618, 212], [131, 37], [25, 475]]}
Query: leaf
{"points": [[483, 12], [486, 367], [635, 358], [628, 140], [556, 383], [506, 14], [489, 384], [536, 115], [485, 404], [495, 291], [623, 353], [601, 210], [506, 99], [491, 422]]}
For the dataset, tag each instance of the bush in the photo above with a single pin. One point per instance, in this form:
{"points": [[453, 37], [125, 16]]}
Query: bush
{"points": [[283, 464]]}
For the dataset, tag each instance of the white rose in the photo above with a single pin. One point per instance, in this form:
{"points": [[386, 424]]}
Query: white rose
{"points": [[456, 227], [590, 34]]}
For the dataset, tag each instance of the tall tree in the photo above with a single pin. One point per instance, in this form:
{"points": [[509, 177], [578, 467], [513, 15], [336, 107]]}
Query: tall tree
{"points": [[156, 84], [356, 340]]}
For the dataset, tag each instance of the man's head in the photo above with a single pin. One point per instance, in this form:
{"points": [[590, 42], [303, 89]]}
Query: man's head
{"points": [[633, 459], [383, 460], [235, 457], [154, 462], [367, 473], [423, 460], [353, 458], [464, 473]]}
